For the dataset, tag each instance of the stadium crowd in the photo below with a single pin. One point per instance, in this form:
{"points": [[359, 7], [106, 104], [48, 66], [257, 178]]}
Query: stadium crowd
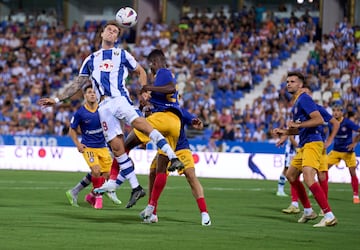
{"points": [[216, 59]]}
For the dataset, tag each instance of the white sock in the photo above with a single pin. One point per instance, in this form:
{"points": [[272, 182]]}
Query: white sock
{"points": [[329, 215], [127, 170], [85, 181], [295, 203], [308, 211], [281, 183], [157, 138]]}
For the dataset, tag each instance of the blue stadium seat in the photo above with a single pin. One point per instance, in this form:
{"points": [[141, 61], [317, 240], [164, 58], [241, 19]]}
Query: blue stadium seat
{"points": [[238, 94], [257, 78], [219, 94], [229, 94], [275, 62], [228, 102], [207, 133], [219, 104]]}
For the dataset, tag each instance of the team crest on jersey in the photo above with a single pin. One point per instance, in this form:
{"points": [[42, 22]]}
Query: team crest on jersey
{"points": [[116, 53], [91, 159], [106, 65], [343, 129]]}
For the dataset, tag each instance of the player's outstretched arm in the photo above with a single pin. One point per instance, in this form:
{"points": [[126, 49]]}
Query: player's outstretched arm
{"points": [[169, 88], [141, 74], [69, 90]]}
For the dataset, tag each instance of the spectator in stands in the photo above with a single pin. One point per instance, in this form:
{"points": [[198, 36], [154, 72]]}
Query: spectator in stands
{"points": [[225, 118], [57, 52], [327, 44], [238, 133], [228, 132], [259, 134]]}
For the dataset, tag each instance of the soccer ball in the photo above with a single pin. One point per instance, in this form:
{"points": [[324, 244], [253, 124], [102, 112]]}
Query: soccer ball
{"points": [[126, 17]]}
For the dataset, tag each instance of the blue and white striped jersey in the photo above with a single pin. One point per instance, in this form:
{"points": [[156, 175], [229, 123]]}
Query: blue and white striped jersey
{"points": [[108, 70]]}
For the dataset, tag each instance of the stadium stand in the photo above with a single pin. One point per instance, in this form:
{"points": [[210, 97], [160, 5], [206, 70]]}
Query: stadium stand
{"points": [[225, 66]]}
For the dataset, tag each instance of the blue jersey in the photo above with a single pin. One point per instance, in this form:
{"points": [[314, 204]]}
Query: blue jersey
{"points": [[183, 142], [163, 102], [327, 117], [344, 136], [89, 122], [303, 107], [108, 70]]}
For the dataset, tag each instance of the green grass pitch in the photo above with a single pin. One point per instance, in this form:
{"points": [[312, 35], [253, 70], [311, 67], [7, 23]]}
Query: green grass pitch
{"points": [[246, 214]]}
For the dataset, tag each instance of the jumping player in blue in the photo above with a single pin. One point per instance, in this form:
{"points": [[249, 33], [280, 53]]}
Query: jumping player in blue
{"points": [[184, 153]]}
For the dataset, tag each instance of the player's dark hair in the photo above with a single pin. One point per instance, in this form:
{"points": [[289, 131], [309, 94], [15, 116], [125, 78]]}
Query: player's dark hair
{"points": [[86, 87], [112, 22], [337, 106], [156, 54], [298, 75], [307, 86]]}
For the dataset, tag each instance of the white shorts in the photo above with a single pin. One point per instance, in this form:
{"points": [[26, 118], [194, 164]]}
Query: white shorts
{"points": [[112, 110]]}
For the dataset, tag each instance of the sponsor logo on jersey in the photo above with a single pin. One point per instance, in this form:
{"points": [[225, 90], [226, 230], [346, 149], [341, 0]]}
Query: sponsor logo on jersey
{"points": [[106, 65]]}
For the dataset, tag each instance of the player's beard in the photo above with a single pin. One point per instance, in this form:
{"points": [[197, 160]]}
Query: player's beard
{"points": [[108, 43], [291, 91]]}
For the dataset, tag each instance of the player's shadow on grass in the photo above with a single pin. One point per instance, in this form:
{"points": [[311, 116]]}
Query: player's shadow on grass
{"points": [[172, 219], [279, 216], [101, 218]]}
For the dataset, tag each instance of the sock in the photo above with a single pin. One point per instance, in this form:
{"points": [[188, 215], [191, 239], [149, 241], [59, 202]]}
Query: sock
{"points": [[294, 194], [114, 171], [324, 184], [355, 185], [308, 211], [161, 143], [97, 181], [295, 204], [159, 185], [201, 204], [329, 215], [281, 183], [301, 192], [85, 181], [127, 170], [320, 197], [120, 179]]}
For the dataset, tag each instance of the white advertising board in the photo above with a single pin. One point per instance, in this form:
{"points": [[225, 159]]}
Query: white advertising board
{"points": [[207, 164]]}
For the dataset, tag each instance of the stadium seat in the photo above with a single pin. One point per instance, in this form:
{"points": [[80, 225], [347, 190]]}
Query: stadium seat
{"points": [[207, 133], [346, 86], [275, 62], [238, 94], [228, 102], [326, 96], [229, 94], [317, 96], [257, 78]]}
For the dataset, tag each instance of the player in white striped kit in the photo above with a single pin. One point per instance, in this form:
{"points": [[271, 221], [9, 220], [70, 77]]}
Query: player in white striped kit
{"points": [[290, 151], [108, 69]]}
